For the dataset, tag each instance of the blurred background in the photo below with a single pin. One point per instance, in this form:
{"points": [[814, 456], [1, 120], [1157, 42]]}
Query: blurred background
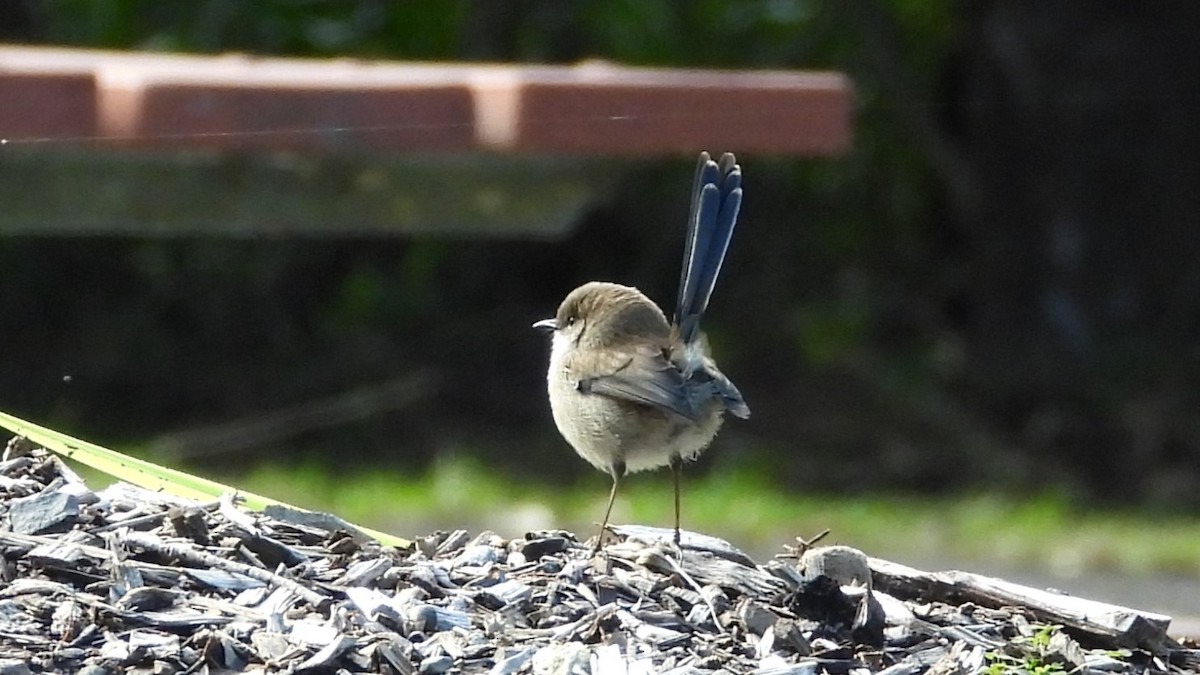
{"points": [[974, 337]]}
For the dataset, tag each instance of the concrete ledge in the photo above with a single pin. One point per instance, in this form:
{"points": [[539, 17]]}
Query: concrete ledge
{"points": [[149, 144], [237, 102]]}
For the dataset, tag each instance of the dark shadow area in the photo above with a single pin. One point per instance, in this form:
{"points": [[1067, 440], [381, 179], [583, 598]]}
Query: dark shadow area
{"points": [[998, 287]]}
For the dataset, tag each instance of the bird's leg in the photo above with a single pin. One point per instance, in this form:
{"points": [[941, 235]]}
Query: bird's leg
{"points": [[676, 471], [617, 471]]}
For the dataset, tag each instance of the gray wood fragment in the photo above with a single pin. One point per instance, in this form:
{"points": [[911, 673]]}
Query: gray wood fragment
{"points": [[511, 661], [452, 542], [434, 665], [223, 579], [328, 655], [14, 667], [688, 541], [1063, 650], [570, 658], [42, 511], [755, 616], [363, 572], [314, 519], [270, 645], [475, 556], [1118, 626], [509, 592]]}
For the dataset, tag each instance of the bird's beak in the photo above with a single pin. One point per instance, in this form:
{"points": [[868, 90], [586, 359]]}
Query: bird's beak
{"points": [[546, 325]]}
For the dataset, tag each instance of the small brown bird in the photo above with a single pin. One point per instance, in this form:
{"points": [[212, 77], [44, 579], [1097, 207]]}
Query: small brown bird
{"points": [[629, 391]]}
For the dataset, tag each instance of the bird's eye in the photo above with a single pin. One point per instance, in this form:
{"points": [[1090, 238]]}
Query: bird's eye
{"points": [[570, 320]]}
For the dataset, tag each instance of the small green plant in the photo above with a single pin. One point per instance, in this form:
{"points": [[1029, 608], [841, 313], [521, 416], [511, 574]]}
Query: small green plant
{"points": [[1026, 655]]}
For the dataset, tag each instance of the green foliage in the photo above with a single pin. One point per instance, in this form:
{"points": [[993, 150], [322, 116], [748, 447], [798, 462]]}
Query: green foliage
{"points": [[831, 330], [743, 505], [416, 28], [1025, 655]]}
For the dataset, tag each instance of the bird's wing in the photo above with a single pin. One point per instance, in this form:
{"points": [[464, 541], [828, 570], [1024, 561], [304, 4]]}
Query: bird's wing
{"points": [[642, 376], [722, 386]]}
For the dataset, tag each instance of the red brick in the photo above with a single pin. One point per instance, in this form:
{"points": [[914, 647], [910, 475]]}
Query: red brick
{"points": [[635, 111], [37, 106], [418, 118], [241, 103]]}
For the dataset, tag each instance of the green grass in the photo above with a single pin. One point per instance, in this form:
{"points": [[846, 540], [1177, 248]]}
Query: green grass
{"points": [[1046, 532]]}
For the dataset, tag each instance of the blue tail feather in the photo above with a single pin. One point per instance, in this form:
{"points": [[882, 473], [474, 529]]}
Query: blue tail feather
{"points": [[716, 200], [707, 173]]}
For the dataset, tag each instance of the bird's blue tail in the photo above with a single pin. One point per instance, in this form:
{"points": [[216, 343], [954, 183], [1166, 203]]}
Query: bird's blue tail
{"points": [[716, 199]]}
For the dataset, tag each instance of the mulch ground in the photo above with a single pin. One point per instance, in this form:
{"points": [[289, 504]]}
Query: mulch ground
{"points": [[125, 580]]}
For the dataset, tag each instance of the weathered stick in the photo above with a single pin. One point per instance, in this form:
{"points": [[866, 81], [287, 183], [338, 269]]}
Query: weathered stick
{"points": [[1109, 624]]}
